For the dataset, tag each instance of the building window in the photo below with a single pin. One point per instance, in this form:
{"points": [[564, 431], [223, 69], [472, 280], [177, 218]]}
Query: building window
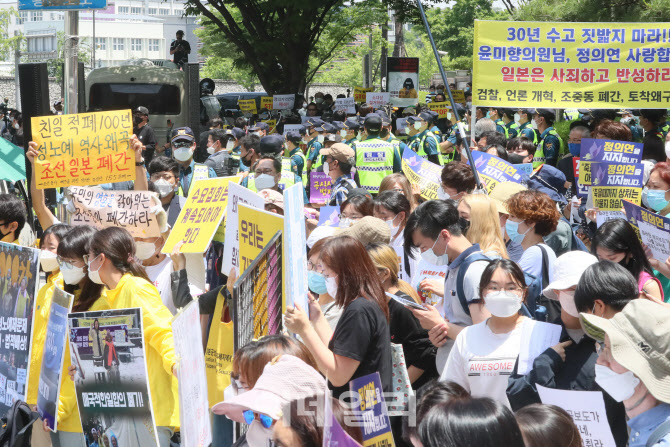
{"points": [[101, 43], [123, 10], [153, 11], [154, 44], [164, 12], [23, 16], [36, 16], [118, 44], [136, 44], [136, 11]]}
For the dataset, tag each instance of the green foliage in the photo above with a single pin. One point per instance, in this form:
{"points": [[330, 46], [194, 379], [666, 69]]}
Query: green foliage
{"points": [[8, 44], [55, 65], [595, 11], [563, 129]]}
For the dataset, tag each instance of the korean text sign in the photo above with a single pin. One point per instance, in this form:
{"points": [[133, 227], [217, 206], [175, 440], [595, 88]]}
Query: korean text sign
{"points": [[231, 248], [320, 186], [83, 149], [127, 209], [653, 229], [359, 93], [201, 216], [256, 228], [371, 407], [613, 182], [421, 172], [295, 238], [283, 101], [494, 170], [563, 65]]}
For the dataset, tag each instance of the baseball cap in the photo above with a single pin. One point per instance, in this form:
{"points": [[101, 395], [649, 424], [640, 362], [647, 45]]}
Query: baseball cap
{"points": [[368, 230], [238, 133], [272, 144], [546, 113], [386, 121], [338, 125], [293, 136], [373, 122], [142, 110], [182, 133], [260, 125], [639, 342], [312, 122], [325, 127], [568, 268], [351, 124], [284, 379], [550, 181], [340, 152], [502, 192]]}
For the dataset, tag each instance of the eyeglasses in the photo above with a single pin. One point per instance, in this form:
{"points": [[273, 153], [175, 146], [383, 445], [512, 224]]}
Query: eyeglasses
{"points": [[314, 267], [494, 288], [88, 260], [264, 171], [181, 144], [162, 175], [354, 218], [67, 265], [251, 415]]}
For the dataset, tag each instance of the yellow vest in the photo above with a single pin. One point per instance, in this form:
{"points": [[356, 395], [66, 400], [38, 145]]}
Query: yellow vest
{"points": [[374, 161]]}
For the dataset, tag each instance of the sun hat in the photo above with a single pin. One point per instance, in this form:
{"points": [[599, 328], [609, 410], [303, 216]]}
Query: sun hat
{"points": [[568, 268], [502, 192]]}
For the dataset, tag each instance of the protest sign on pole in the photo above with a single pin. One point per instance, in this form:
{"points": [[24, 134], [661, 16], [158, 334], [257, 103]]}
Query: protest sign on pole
{"points": [[402, 80], [281, 102], [112, 387], [201, 216], [247, 105], [459, 96], [612, 151], [421, 172], [561, 65], [359, 93], [443, 109], [231, 248], [377, 100], [653, 229], [494, 170], [256, 227], [272, 125], [267, 102], [370, 407], [329, 216], [55, 345], [587, 410], [126, 209], [347, 105], [19, 277], [295, 239], [83, 149], [193, 403], [292, 128], [611, 183], [582, 191], [320, 186]]}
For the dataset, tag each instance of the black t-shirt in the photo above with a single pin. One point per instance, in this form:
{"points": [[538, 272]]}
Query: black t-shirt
{"points": [[181, 56], [565, 166], [362, 334]]}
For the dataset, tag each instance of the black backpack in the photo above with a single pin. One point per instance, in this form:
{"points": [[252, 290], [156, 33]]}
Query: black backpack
{"points": [[16, 429]]}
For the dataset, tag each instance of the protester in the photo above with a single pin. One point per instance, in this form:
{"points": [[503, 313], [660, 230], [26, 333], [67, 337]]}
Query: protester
{"points": [[657, 196], [317, 285], [490, 138], [457, 180], [164, 175], [481, 224], [12, 217], [393, 208], [520, 150], [398, 182], [354, 209], [565, 164], [500, 194], [145, 133], [547, 426], [340, 159]]}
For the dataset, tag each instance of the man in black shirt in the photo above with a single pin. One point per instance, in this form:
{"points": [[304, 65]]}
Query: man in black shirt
{"points": [[145, 133], [180, 48]]}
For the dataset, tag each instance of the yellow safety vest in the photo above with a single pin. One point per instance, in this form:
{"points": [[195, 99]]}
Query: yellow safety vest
{"points": [[374, 161], [539, 157]]}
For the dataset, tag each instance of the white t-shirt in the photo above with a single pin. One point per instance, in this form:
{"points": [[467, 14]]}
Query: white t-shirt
{"points": [[425, 270], [159, 275], [531, 262], [482, 362], [407, 272]]}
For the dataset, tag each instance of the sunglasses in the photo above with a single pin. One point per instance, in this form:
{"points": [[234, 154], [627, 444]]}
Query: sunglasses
{"points": [[251, 415]]}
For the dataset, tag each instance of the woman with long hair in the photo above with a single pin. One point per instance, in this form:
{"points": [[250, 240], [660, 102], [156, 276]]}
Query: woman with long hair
{"points": [[398, 182], [111, 261], [394, 209], [317, 285], [360, 344], [484, 224]]}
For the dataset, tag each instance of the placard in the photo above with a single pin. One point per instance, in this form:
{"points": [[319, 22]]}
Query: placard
{"points": [[267, 102], [83, 149], [443, 109], [371, 408], [320, 187], [569, 65], [295, 238], [247, 105], [536, 337], [359, 93], [402, 80], [459, 96], [53, 357], [611, 183], [256, 227], [348, 105], [494, 170], [126, 209], [193, 403], [329, 216], [112, 389], [201, 216], [281, 102], [421, 172], [292, 128], [377, 100], [231, 248], [612, 151], [653, 229]]}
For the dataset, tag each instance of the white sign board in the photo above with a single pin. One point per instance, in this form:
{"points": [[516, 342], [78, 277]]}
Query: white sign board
{"points": [[231, 249], [377, 99], [346, 104], [281, 102], [295, 239]]}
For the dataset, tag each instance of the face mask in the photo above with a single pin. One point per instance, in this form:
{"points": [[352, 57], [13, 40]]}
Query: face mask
{"points": [[183, 154], [534, 124], [468, 104], [137, 120], [326, 168], [258, 134], [515, 159], [316, 282], [345, 222], [164, 187], [230, 145], [502, 304], [464, 224], [394, 228], [430, 257], [417, 125], [72, 275], [144, 250], [49, 261], [384, 134], [257, 435], [619, 386], [667, 149], [331, 286], [343, 133], [567, 300], [246, 162], [318, 100], [512, 230], [488, 114], [442, 195], [264, 181], [94, 275], [320, 138], [16, 126], [575, 149], [359, 136], [210, 150], [517, 117], [656, 199]]}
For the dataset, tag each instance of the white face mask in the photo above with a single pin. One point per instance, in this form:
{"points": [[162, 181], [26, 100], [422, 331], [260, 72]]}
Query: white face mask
{"points": [[94, 275], [517, 117], [359, 136], [72, 275], [16, 126], [264, 181], [164, 187], [326, 168], [438, 260], [257, 435], [183, 154], [394, 228], [318, 100], [210, 150], [331, 285], [345, 222], [417, 125], [442, 195], [502, 304], [49, 261], [667, 149], [343, 133], [144, 250], [321, 138], [567, 300], [305, 141], [619, 386], [258, 134], [230, 145]]}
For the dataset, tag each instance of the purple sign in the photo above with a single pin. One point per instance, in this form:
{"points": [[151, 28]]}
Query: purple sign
{"points": [[610, 151], [319, 187], [329, 216]]}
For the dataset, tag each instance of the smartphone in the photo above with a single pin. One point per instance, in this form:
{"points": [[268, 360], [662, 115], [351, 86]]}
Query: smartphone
{"points": [[406, 302]]}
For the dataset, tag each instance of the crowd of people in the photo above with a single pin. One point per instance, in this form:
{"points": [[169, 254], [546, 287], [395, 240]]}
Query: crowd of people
{"points": [[482, 271]]}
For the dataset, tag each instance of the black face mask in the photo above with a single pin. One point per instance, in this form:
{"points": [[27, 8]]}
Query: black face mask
{"points": [[3, 235], [246, 162], [464, 224], [137, 119], [515, 158], [384, 134]]}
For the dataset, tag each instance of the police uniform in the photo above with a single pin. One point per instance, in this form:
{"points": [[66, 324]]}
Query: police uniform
{"points": [[526, 130], [549, 150], [500, 127], [375, 158], [512, 129]]}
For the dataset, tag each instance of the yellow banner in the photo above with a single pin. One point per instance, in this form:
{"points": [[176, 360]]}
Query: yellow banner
{"points": [[610, 198], [247, 105], [266, 102], [569, 65], [83, 149], [256, 228], [359, 93], [272, 124], [201, 215], [441, 108], [459, 96]]}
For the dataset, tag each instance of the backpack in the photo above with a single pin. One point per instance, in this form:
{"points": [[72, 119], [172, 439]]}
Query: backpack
{"points": [[16, 429]]}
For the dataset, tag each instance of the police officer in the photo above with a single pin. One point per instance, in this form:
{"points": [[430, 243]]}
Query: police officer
{"points": [[387, 134], [219, 157], [550, 149], [324, 130], [315, 143], [183, 147], [425, 143], [145, 133], [298, 159], [526, 126], [260, 128], [448, 146], [511, 127], [653, 121], [375, 158], [629, 120], [496, 115], [350, 131], [237, 135]]}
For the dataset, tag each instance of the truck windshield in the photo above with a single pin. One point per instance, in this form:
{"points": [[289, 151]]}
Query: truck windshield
{"points": [[160, 99]]}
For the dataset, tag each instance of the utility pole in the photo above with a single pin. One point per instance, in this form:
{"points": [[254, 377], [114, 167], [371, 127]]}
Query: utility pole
{"points": [[71, 68], [17, 61]]}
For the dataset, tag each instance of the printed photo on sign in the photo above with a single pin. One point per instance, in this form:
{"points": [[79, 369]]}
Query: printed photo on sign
{"points": [[403, 80], [111, 382], [19, 276]]}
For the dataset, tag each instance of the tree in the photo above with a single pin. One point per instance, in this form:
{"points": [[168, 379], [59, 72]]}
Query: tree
{"points": [[286, 42], [55, 65], [594, 11], [8, 44]]}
